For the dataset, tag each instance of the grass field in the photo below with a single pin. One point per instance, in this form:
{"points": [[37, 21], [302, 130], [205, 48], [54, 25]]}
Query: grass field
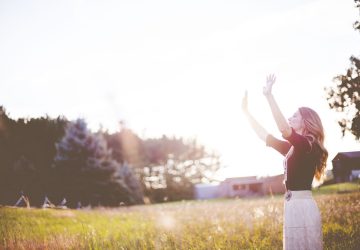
{"points": [[338, 188], [217, 224]]}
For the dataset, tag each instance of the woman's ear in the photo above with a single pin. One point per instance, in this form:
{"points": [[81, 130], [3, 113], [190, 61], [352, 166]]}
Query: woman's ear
{"points": [[303, 124]]}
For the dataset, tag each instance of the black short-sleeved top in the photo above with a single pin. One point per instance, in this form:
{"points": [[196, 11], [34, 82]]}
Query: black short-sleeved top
{"points": [[301, 158]]}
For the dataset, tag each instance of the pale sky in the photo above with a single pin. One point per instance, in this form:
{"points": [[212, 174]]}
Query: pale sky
{"points": [[178, 67]]}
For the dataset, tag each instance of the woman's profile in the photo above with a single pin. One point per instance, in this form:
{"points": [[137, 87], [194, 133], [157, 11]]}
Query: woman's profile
{"points": [[305, 158]]}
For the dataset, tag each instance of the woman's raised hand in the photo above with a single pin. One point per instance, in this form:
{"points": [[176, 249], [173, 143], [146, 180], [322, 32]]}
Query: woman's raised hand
{"points": [[270, 80], [244, 105]]}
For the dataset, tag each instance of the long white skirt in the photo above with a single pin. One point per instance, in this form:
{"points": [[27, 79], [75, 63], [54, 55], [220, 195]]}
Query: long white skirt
{"points": [[302, 222]]}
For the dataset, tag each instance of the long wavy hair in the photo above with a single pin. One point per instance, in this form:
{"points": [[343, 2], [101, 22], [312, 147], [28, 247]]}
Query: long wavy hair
{"points": [[313, 128]]}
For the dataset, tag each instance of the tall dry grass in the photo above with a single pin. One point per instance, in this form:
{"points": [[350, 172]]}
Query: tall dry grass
{"points": [[218, 224]]}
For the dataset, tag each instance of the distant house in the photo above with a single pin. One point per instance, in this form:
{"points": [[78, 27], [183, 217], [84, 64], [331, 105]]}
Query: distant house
{"points": [[252, 186], [274, 184], [241, 187], [346, 166]]}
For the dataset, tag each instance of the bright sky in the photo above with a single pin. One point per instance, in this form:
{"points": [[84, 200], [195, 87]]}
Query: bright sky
{"points": [[178, 67]]}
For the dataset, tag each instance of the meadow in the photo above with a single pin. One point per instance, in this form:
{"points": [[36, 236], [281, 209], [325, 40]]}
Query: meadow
{"points": [[252, 223]]}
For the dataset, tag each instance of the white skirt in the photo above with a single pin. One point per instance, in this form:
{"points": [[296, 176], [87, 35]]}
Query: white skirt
{"points": [[302, 222]]}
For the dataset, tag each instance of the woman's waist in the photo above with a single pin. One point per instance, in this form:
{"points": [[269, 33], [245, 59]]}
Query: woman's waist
{"points": [[299, 194]]}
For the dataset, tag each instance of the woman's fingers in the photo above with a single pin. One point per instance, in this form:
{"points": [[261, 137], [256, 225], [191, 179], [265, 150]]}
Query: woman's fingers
{"points": [[271, 79]]}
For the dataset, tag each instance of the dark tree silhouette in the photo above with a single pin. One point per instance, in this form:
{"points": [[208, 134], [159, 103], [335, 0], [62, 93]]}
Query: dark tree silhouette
{"points": [[345, 96], [27, 149], [87, 171]]}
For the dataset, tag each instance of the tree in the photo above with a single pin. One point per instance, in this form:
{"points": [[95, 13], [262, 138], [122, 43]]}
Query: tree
{"points": [[27, 150], [175, 166], [88, 173], [345, 96], [126, 173], [127, 149], [167, 167]]}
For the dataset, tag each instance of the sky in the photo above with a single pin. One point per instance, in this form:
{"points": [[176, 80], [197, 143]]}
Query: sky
{"points": [[178, 68]]}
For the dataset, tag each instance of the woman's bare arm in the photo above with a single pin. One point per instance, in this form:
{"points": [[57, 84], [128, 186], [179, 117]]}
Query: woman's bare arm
{"points": [[280, 120], [259, 130]]}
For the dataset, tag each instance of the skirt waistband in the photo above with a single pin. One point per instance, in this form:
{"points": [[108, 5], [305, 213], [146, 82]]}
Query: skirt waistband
{"points": [[303, 194]]}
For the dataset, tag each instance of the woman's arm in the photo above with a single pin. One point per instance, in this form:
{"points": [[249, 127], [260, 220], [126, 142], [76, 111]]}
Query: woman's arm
{"points": [[280, 120], [259, 130]]}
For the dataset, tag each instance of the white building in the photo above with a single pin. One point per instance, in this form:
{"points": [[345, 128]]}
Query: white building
{"points": [[206, 191], [241, 187]]}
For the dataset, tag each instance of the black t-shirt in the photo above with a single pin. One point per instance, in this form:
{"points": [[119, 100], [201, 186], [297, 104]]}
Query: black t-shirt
{"points": [[301, 158]]}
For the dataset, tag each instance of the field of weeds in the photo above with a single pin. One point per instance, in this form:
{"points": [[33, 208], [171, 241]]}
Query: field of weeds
{"points": [[217, 224]]}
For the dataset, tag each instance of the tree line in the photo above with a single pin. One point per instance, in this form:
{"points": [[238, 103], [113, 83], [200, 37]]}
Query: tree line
{"points": [[344, 97], [57, 158]]}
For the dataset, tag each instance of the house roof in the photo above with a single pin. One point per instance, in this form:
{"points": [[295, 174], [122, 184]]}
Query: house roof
{"points": [[252, 179], [243, 180], [350, 155], [246, 178]]}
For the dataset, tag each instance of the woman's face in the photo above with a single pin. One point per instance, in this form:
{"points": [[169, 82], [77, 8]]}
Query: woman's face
{"points": [[296, 122]]}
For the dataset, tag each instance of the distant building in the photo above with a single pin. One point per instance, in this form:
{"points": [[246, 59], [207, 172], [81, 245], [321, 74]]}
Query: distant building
{"points": [[241, 187], [346, 166], [274, 184], [206, 191], [252, 186]]}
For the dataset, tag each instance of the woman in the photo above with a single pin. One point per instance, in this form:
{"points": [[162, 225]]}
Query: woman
{"points": [[305, 158]]}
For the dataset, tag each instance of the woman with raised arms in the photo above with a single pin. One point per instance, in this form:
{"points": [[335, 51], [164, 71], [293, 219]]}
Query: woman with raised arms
{"points": [[305, 158]]}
